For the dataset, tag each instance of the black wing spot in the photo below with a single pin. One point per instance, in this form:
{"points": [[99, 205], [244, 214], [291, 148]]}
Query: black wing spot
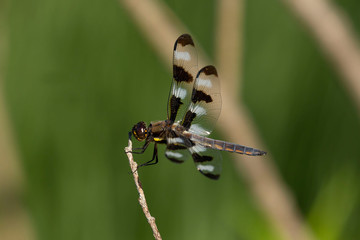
{"points": [[174, 160], [175, 147], [189, 117], [184, 40], [209, 70], [210, 175], [180, 75], [175, 103], [198, 96], [198, 158]]}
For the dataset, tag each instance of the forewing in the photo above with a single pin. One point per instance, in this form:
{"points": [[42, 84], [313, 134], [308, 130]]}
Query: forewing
{"points": [[184, 72], [208, 161], [205, 106]]}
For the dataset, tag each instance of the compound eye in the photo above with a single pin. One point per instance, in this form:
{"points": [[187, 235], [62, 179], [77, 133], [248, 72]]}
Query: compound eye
{"points": [[140, 131]]}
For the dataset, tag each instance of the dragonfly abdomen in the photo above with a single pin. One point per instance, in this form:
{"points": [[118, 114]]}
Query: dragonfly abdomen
{"points": [[227, 146]]}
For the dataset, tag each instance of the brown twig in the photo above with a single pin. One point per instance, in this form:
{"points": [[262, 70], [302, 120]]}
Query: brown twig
{"points": [[142, 199], [335, 37]]}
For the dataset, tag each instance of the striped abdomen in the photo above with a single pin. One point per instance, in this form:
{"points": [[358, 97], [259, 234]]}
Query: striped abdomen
{"points": [[226, 146]]}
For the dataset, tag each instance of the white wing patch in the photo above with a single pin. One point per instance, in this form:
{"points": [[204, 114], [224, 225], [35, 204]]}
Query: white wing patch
{"points": [[182, 56], [196, 128], [173, 154], [175, 140], [200, 82], [198, 110], [208, 168], [179, 93], [197, 148]]}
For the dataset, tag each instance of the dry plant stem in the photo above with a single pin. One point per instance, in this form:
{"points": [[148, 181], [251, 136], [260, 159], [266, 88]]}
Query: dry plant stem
{"points": [[272, 195], [14, 219], [335, 36], [142, 199], [161, 27], [151, 18], [229, 30], [270, 192]]}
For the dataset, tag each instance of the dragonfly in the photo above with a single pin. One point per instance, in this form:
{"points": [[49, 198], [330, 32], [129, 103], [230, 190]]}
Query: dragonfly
{"points": [[193, 107]]}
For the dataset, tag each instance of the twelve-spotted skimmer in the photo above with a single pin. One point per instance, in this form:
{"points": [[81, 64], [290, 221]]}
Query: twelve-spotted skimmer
{"points": [[190, 117]]}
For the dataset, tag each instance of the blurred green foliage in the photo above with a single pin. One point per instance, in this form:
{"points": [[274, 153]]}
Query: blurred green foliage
{"points": [[80, 74]]}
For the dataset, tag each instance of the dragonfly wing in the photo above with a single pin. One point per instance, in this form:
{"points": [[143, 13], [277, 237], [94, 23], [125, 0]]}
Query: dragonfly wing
{"points": [[177, 148], [208, 161], [205, 105], [184, 73]]}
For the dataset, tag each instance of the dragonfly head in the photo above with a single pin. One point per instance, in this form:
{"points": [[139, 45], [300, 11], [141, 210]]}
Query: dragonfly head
{"points": [[140, 131]]}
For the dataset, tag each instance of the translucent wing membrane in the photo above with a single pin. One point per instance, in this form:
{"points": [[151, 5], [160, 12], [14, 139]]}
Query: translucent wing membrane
{"points": [[208, 161], [205, 105], [184, 72]]}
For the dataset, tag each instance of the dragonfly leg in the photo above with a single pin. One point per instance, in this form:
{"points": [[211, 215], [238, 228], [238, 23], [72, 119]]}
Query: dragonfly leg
{"points": [[142, 149], [155, 157]]}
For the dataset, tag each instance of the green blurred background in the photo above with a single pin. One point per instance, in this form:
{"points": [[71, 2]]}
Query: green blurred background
{"points": [[78, 74]]}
